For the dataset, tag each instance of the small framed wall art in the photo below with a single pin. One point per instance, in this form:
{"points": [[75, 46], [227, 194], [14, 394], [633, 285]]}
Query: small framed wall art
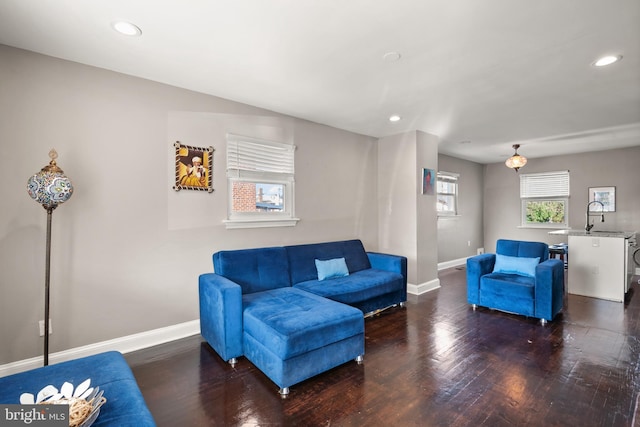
{"points": [[194, 168], [428, 181], [604, 195]]}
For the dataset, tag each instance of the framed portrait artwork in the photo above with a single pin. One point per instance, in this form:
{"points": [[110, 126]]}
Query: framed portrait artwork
{"points": [[604, 195], [428, 181], [194, 168]]}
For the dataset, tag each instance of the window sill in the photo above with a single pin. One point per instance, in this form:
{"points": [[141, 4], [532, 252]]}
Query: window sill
{"points": [[448, 216], [544, 227], [260, 223]]}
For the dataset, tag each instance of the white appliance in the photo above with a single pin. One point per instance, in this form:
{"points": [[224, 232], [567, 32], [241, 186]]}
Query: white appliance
{"points": [[630, 249], [600, 264]]}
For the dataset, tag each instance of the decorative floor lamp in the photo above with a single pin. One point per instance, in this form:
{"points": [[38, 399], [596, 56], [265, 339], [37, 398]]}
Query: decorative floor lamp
{"points": [[49, 187]]}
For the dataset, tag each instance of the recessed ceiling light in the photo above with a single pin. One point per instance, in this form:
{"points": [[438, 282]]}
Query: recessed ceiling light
{"points": [[391, 56], [607, 60], [394, 118], [126, 28]]}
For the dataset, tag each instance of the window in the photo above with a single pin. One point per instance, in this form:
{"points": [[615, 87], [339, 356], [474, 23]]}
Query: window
{"points": [[545, 199], [260, 176], [447, 194]]}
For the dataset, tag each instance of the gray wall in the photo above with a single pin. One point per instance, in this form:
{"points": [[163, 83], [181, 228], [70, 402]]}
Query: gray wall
{"points": [[427, 230], [127, 249], [407, 218], [619, 168], [461, 236]]}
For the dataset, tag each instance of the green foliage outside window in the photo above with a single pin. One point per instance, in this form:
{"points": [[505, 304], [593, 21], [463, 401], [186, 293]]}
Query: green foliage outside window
{"points": [[547, 211]]}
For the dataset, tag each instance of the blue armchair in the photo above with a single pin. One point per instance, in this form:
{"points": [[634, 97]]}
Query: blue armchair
{"points": [[519, 278]]}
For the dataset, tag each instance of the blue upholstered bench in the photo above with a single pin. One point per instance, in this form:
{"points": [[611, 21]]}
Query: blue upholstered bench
{"points": [[292, 335], [125, 406]]}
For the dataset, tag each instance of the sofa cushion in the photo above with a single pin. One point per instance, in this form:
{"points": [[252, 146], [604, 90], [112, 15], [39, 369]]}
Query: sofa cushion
{"points": [[522, 249], [521, 266], [357, 287], [512, 285], [508, 292], [290, 322], [302, 258], [331, 268], [255, 270]]}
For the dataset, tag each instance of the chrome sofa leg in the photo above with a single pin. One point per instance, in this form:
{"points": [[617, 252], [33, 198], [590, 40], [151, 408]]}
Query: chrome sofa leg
{"points": [[403, 304], [474, 306], [233, 362], [284, 392], [543, 322], [360, 359]]}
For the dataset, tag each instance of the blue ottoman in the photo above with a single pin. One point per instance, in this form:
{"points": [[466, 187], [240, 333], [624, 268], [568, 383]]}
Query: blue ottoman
{"points": [[292, 335], [125, 405]]}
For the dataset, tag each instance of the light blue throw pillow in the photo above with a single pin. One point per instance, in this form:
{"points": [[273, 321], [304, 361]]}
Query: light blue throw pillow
{"points": [[330, 268], [516, 265]]}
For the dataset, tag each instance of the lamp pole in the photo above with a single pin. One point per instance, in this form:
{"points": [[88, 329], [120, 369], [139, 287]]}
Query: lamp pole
{"points": [[47, 281]]}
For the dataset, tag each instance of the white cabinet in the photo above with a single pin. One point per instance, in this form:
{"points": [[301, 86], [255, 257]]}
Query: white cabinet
{"points": [[597, 267]]}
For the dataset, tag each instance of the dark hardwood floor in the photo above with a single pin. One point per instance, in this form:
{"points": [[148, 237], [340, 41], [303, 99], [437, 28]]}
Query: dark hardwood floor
{"points": [[434, 363]]}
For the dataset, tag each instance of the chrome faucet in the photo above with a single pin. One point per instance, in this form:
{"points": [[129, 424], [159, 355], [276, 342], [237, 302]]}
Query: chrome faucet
{"points": [[588, 226]]}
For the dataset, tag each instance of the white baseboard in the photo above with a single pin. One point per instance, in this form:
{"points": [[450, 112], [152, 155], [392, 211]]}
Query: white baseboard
{"points": [[452, 263], [423, 287], [124, 344]]}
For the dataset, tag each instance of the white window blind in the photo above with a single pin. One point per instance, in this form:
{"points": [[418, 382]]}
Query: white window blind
{"points": [[448, 177], [248, 154], [548, 184]]}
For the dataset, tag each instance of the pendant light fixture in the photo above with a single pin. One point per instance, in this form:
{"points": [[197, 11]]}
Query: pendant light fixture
{"points": [[516, 161]]}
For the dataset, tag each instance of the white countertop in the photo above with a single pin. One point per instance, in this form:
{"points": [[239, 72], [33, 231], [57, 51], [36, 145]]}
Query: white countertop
{"points": [[594, 233]]}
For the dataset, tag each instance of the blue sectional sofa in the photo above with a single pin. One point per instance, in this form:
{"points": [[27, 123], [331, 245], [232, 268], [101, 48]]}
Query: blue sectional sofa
{"points": [[125, 406], [296, 311], [519, 278]]}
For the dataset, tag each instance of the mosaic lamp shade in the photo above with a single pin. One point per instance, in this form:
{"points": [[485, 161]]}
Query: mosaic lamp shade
{"points": [[50, 187]]}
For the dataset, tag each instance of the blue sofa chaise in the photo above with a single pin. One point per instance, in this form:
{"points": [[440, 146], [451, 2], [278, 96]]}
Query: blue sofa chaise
{"points": [[519, 278], [125, 406], [297, 311]]}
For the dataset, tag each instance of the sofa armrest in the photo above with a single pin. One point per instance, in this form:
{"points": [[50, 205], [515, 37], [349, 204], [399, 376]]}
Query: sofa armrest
{"points": [[221, 314], [477, 266], [549, 288], [388, 262], [110, 371]]}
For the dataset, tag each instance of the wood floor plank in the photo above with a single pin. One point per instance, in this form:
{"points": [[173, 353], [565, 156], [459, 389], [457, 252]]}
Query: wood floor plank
{"points": [[436, 362]]}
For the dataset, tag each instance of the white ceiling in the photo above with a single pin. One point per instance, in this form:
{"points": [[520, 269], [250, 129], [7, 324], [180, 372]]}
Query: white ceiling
{"points": [[492, 72]]}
